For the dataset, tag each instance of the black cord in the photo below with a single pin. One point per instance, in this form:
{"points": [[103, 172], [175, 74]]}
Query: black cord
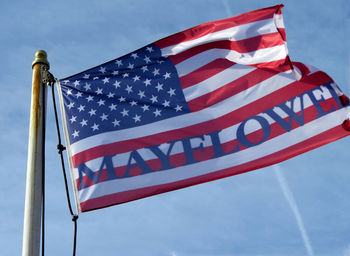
{"points": [[61, 148]]}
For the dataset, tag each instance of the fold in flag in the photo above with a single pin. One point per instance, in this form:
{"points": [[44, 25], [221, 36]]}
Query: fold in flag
{"points": [[210, 102]]}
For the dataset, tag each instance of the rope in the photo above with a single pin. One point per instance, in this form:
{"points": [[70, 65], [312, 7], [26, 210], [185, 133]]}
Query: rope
{"points": [[60, 149]]}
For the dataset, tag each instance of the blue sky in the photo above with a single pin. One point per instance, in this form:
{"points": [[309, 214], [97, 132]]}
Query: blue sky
{"points": [[248, 214]]}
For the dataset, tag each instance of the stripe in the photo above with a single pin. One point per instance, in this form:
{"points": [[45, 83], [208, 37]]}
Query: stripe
{"points": [[233, 34], [234, 87], [224, 77], [252, 58], [216, 26], [297, 141], [205, 72], [234, 114], [241, 46]]}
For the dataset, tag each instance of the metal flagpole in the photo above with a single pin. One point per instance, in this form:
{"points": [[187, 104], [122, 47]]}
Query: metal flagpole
{"points": [[33, 197]]}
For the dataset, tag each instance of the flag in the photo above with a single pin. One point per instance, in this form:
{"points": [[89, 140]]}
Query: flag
{"points": [[210, 102]]}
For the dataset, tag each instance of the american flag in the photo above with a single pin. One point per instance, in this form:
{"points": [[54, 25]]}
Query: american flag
{"points": [[209, 102]]}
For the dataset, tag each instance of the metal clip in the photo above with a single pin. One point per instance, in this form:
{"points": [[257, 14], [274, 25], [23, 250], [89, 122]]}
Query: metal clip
{"points": [[46, 77]]}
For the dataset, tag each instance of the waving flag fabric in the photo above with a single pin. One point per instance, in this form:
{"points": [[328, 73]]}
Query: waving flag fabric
{"points": [[212, 101]]}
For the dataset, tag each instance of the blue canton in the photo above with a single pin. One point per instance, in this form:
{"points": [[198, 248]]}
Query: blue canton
{"points": [[136, 89]]}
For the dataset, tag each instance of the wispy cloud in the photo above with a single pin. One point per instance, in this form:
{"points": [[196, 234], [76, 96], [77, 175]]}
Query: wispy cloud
{"points": [[227, 8], [294, 207], [347, 251]]}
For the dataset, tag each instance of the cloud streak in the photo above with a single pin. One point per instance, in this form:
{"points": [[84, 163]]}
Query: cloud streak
{"points": [[294, 207]]}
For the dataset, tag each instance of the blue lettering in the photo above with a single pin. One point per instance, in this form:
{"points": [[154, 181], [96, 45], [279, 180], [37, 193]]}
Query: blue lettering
{"points": [[316, 102], [140, 162], [164, 158], [107, 163], [241, 136], [188, 149], [288, 110], [215, 139]]}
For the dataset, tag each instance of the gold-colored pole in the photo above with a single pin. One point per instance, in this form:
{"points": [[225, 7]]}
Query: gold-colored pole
{"points": [[33, 197]]}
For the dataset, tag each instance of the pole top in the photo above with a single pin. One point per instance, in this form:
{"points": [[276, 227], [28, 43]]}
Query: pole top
{"points": [[41, 57]]}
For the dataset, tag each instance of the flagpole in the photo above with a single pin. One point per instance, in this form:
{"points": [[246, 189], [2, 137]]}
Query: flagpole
{"points": [[34, 181]]}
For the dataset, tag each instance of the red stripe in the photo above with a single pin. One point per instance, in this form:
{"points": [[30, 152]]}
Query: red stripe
{"points": [[179, 159], [215, 26], [222, 122], [241, 46], [122, 197], [243, 83], [205, 72]]}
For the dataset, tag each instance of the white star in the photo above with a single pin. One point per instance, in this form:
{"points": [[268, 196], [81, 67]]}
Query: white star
{"points": [[157, 112], [121, 99], [116, 84], [131, 66], [95, 78], [78, 95], [154, 99], [73, 119], [87, 86], [137, 118], [115, 72], [110, 95], [147, 59], [136, 78], [101, 102], [167, 75], [104, 117], [171, 92], [76, 83], [141, 94], [178, 108], [86, 76], [75, 133], [92, 112], [125, 112], [90, 98], [81, 108], [83, 122], [99, 91], [133, 103], [95, 127], [134, 55], [102, 70], [166, 103], [70, 105], [119, 63], [113, 107], [155, 71], [116, 122], [125, 75], [66, 81], [105, 80], [145, 107], [69, 92], [144, 69], [128, 89], [159, 87], [147, 82], [149, 49]]}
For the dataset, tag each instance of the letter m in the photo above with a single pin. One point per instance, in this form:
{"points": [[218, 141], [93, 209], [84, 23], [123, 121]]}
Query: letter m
{"points": [[107, 164]]}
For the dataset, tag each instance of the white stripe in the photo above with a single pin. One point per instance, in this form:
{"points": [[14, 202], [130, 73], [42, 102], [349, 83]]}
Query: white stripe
{"points": [[279, 21], [226, 106], [251, 58], [215, 82], [225, 135], [234, 34], [185, 172]]}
